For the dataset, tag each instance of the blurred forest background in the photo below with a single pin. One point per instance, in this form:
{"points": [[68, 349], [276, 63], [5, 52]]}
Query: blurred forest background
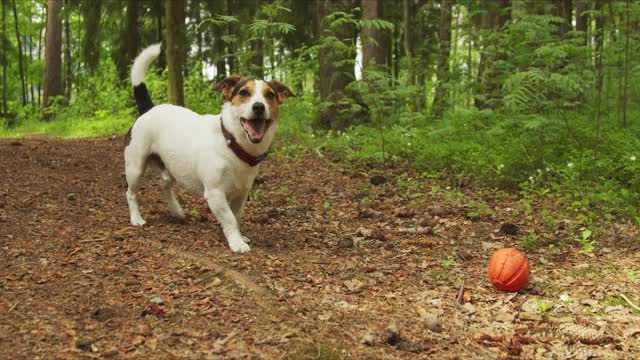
{"points": [[540, 96]]}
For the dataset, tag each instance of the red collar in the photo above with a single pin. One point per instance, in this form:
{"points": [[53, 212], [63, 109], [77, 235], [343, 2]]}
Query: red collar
{"points": [[239, 151]]}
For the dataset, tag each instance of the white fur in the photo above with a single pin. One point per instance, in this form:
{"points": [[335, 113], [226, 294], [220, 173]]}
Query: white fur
{"points": [[195, 154], [142, 62]]}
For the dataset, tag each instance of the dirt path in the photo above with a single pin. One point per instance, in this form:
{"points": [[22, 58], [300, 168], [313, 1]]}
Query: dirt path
{"points": [[334, 259]]}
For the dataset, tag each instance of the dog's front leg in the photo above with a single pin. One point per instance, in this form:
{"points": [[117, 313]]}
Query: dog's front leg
{"points": [[218, 204], [237, 206]]}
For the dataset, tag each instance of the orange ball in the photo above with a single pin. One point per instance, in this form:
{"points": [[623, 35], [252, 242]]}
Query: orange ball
{"points": [[509, 270]]}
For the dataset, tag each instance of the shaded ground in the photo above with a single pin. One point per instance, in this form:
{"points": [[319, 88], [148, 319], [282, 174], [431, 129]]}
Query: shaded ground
{"points": [[334, 259]]}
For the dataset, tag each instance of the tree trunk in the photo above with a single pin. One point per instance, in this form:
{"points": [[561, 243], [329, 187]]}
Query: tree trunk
{"points": [[374, 42], [599, 40], [256, 67], [333, 78], [39, 58], [408, 46], [567, 15], [217, 32], [626, 67], [230, 46], [53, 55], [441, 98], [599, 45], [20, 59], [174, 19], [497, 15], [91, 43], [5, 50], [582, 19], [67, 58], [133, 37], [158, 12], [30, 51]]}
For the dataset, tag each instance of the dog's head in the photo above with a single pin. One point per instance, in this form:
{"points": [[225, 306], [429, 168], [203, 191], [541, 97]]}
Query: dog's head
{"points": [[253, 104]]}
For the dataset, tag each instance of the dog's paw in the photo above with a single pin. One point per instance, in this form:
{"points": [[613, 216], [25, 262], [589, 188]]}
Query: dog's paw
{"points": [[246, 239], [177, 213], [137, 221], [239, 246]]}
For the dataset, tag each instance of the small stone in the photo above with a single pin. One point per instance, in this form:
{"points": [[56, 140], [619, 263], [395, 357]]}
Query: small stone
{"points": [[71, 197], [464, 255], [83, 344], [377, 180], [368, 339], [391, 335], [509, 229], [437, 211], [432, 322], [364, 232], [157, 300]]}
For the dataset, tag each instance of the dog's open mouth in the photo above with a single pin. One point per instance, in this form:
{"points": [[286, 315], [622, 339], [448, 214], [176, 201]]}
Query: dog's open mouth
{"points": [[255, 128]]}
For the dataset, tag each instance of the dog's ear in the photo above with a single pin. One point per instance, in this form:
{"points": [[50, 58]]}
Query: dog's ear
{"points": [[227, 84], [282, 90]]}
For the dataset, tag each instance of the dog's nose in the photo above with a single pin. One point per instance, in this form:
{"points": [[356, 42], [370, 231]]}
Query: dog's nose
{"points": [[258, 108]]}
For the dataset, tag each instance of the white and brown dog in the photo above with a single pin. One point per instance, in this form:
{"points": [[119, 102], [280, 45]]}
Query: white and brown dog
{"points": [[214, 156]]}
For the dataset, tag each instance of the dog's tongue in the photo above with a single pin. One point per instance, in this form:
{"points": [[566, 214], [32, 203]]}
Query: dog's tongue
{"points": [[255, 128]]}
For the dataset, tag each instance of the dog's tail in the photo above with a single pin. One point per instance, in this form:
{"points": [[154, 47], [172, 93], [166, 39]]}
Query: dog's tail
{"points": [[138, 70]]}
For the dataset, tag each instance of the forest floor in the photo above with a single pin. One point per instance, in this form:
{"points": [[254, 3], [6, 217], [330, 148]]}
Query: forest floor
{"points": [[346, 262]]}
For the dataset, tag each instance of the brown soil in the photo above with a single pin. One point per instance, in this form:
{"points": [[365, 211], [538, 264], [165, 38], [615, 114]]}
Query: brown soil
{"points": [[339, 267]]}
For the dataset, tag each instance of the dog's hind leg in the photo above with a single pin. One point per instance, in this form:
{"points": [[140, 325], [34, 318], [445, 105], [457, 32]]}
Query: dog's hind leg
{"points": [[170, 197], [134, 170]]}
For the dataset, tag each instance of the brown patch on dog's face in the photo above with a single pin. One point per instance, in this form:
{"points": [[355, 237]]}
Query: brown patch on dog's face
{"points": [[242, 92], [281, 89], [227, 86], [272, 100]]}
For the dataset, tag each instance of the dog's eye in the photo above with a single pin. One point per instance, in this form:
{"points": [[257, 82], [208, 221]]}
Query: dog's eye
{"points": [[244, 93], [270, 95]]}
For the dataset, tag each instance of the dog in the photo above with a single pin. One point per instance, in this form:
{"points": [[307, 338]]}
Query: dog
{"points": [[214, 156]]}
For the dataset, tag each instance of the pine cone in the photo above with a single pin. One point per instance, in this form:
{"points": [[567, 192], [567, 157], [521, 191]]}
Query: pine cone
{"points": [[585, 335], [580, 353]]}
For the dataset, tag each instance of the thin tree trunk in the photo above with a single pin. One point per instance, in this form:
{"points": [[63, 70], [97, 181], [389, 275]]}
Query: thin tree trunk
{"points": [[91, 43], [230, 50], [374, 43], [29, 73], [39, 58], [334, 78], [216, 33], [175, 49], [469, 72], [4, 109], [626, 68], [441, 98], [20, 60], [582, 19], [67, 59], [495, 18], [454, 56], [53, 54], [158, 11], [599, 45], [133, 38], [408, 46], [256, 68]]}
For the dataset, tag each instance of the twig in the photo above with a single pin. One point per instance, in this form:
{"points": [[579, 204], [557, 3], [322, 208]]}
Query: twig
{"points": [[206, 278], [92, 240], [629, 302], [460, 298]]}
